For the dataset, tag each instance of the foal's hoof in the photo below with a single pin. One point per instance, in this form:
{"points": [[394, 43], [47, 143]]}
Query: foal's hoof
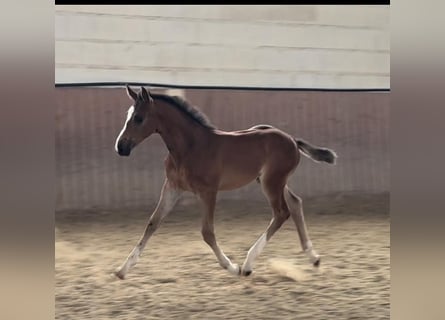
{"points": [[246, 273], [118, 273], [317, 262]]}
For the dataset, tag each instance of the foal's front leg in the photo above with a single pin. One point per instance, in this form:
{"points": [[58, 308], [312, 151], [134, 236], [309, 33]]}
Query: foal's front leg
{"points": [[208, 233], [168, 199]]}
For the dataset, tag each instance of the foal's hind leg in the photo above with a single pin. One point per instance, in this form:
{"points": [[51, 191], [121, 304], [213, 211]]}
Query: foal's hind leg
{"points": [[296, 208], [208, 233], [274, 193], [169, 197]]}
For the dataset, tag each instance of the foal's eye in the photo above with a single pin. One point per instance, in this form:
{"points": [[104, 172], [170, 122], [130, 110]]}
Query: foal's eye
{"points": [[138, 119]]}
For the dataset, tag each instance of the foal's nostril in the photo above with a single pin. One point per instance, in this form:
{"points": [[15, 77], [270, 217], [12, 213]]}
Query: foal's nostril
{"points": [[123, 149], [119, 147]]}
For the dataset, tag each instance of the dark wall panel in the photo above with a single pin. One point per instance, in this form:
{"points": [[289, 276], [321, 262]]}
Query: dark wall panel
{"points": [[90, 174]]}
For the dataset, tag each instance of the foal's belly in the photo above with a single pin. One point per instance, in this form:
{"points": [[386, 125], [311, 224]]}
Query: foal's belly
{"points": [[237, 175], [236, 181]]}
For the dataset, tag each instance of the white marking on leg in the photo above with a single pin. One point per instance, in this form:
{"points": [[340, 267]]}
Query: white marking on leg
{"points": [[298, 217], [131, 260], [311, 253], [134, 256], [168, 199], [234, 269], [225, 262], [129, 114], [254, 252]]}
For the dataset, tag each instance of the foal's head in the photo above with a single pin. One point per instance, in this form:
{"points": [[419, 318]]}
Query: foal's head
{"points": [[140, 123]]}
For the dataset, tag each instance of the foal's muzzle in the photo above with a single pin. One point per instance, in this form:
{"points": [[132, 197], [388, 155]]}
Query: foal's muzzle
{"points": [[124, 147]]}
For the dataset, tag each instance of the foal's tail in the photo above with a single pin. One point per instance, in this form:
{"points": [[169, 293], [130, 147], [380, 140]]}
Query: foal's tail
{"points": [[316, 153]]}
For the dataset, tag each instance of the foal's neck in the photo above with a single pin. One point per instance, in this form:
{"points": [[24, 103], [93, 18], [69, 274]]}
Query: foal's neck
{"points": [[180, 134]]}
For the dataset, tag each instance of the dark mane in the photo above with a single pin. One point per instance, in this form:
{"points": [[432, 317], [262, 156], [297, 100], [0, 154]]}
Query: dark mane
{"points": [[185, 107]]}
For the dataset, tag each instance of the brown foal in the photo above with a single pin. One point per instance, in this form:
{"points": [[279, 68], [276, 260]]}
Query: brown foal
{"points": [[204, 160]]}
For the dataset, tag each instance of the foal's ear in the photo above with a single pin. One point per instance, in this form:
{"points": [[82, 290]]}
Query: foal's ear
{"points": [[133, 95], [145, 95]]}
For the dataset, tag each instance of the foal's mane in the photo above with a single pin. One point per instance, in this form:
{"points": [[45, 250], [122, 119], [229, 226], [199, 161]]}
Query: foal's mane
{"points": [[186, 108]]}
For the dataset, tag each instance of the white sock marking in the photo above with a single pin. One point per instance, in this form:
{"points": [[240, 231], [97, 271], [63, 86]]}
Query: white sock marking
{"points": [[233, 268], [254, 252], [311, 253], [131, 260]]}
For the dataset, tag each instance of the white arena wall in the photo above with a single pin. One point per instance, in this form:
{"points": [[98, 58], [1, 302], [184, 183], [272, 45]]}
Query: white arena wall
{"points": [[264, 46]]}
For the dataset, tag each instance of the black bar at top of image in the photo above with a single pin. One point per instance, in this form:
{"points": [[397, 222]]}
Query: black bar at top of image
{"points": [[226, 2], [162, 85]]}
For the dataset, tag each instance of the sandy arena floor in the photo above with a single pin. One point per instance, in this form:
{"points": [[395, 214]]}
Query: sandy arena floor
{"points": [[178, 276]]}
